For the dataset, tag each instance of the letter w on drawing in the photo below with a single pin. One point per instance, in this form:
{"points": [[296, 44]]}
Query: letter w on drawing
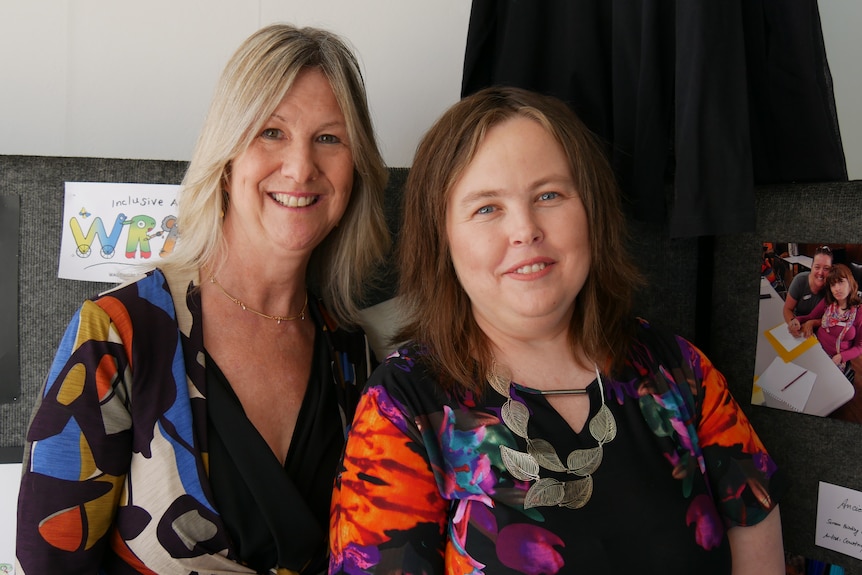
{"points": [[84, 242]]}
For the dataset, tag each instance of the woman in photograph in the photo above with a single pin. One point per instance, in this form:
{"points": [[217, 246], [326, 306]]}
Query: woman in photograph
{"points": [[806, 289], [836, 319]]}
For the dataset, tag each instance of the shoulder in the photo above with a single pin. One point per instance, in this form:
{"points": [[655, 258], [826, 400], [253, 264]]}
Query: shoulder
{"points": [[130, 286], [408, 361], [800, 280], [656, 342], [655, 350], [406, 374], [153, 281], [141, 297]]}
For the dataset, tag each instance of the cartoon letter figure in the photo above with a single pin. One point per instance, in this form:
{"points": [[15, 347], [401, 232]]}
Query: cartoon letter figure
{"points": [[83, 242], [169, 226], [139, 226]]}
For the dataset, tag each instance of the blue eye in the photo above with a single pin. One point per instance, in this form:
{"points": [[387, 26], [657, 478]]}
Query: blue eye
{"points": [[548, 195], [485, 210]]}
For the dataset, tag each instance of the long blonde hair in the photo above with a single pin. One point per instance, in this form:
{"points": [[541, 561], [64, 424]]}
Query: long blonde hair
{"points": [[253, 83]]}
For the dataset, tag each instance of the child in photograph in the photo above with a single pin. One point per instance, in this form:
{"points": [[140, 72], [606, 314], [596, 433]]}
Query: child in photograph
{"points": [[840, 323]]}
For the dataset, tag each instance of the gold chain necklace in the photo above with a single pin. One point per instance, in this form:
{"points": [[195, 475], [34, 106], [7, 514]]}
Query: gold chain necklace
{"points": [[547, 491], [277, 318]]}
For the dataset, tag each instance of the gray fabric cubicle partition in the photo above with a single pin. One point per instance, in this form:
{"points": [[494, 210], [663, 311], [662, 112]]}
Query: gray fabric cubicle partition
{"points": [[46, 303], [810, 449]]}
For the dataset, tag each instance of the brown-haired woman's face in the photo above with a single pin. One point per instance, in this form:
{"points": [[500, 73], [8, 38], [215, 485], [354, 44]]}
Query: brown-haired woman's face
{"points": [[518, 233], [840, 289]]}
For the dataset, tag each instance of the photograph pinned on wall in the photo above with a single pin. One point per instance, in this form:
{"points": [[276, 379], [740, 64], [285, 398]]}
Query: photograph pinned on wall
{"points": [[112, 230], [809, 334]]}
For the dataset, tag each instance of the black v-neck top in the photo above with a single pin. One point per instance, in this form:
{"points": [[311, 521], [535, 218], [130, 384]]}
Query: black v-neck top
{"points": [[276, 516]]}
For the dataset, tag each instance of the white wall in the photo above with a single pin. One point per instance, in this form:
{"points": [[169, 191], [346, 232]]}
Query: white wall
{"points": [[125, 79], [841, 21], [118, 78]]}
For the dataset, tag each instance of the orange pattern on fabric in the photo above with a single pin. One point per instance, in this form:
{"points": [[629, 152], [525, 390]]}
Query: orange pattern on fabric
{"points": [[402, 488], [722, 421], [106, 374], [64, 530], [121, 548], [121, 321]]}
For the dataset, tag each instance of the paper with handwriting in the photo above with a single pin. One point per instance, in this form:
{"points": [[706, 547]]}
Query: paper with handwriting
{"points": [[839, 519]]}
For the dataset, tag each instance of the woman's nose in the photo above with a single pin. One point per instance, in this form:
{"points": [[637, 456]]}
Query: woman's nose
{"points": [[525, 228], [298, 162]]}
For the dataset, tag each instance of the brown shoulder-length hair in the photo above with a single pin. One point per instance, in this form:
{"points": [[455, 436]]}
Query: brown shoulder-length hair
{"points": [[836, 274], [437, 310]]}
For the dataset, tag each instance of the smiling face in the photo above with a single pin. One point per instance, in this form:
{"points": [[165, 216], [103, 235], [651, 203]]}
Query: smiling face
{"points": [[518, 232], [291, 186], [820, 267]]}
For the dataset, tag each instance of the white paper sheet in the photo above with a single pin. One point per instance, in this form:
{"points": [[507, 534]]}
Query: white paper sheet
{"points": [[785, 338], [839, 519], [787, 383]]}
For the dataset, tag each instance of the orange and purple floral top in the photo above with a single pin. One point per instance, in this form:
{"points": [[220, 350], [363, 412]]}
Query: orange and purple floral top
{"points": [[423, 488]]}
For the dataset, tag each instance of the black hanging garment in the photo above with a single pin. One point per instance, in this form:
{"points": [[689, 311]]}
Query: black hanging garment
{"points": [[713, 97]]}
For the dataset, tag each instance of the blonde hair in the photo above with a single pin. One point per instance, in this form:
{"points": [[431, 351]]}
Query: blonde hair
{"points": [[439, 314], [253, 83]]}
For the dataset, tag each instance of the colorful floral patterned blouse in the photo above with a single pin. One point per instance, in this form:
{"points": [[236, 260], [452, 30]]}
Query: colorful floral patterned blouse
{"points": [[423, 488]]}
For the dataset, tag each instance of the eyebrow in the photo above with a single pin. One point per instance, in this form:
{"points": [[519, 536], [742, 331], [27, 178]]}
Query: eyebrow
{"points": [[323, 126], [479, 196]]}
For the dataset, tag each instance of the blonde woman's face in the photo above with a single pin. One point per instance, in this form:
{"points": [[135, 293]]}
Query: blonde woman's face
{"points": [[290, 188]]}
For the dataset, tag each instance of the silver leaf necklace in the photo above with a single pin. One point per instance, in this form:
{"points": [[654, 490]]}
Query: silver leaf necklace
{"points": [[525, 466]]}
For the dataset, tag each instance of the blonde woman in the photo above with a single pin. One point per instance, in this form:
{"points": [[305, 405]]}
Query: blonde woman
{"points": [[193, 419]]}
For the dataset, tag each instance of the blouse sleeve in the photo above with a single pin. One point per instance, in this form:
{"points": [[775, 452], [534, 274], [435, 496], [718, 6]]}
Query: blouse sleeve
{"points": [[741, 473], [387, 512], [815, 313], [855, 349], [77, 450]]}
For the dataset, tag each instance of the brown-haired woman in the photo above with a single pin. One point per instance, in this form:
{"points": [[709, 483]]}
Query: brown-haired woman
{"points": [[529, 424], [837, 319]]}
